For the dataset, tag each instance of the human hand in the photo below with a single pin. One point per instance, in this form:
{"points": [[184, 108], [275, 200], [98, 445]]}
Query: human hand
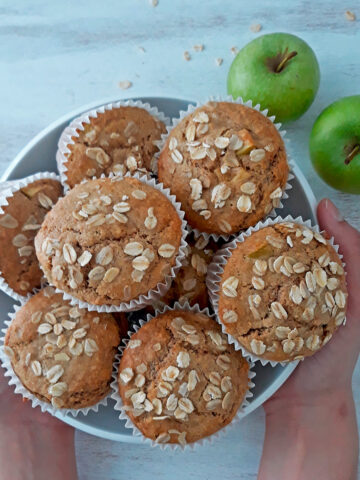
{"points": [[311, 429], [330, 370], [33, 445]]}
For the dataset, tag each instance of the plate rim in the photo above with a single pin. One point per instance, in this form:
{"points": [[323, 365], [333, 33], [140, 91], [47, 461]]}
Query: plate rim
{"points": [[288, 370]]}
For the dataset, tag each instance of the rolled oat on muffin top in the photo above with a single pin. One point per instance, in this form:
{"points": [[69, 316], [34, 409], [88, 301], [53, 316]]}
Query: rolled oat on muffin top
{"points": [[283, 292], [117, 141], [108, 241], [179, 379], [19, 222], [226, 164], [62, 354]]}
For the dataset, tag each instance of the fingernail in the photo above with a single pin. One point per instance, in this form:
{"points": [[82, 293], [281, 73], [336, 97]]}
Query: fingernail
{"points": [[333, 210]]}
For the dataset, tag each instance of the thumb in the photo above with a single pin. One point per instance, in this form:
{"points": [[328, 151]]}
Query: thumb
{"points": [[348, 239]]}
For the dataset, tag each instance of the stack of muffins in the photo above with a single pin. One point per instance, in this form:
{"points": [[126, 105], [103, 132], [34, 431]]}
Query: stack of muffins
{"points": [[241, 288]]}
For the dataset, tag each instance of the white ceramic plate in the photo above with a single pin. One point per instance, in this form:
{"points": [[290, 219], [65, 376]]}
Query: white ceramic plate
{"points": [[39, 155]]}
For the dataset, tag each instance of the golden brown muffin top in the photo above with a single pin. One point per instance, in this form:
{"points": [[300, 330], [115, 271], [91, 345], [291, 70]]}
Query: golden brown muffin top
{"points": [[179, 379], [283, 292], [62, 354], [117, 141], [19, 224], [109, 240], [226, 164]]}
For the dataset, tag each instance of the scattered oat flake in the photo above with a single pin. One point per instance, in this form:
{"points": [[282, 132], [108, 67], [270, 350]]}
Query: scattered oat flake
{"points": [[218, 61], [141, 49], [124, 85], [255, 27], [350, 16], [234, 50], [154, 3], [199, 47], [187, 56]]}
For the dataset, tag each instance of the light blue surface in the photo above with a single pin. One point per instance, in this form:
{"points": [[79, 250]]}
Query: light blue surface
{"points": [[57, 55]]}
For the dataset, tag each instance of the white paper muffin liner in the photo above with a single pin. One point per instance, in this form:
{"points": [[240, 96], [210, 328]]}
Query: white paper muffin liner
{"points": [[119, 404], [78, 124], [7, 190], [13, 380], [162, 287], [6, 184], [218, 98], [216, 269]]}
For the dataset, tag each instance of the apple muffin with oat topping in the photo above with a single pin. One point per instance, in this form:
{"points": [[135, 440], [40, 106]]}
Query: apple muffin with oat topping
{"points": [[19, 222], [62, 354], [117, 141], [180, 380], [108, 241], [283, 292], [226, 163]]}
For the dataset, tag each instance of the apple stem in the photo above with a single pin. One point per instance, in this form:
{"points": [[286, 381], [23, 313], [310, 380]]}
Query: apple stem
{"points": [[283, 62], [352, 154]]}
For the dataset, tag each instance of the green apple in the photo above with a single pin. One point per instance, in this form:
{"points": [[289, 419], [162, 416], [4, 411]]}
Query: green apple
{"points": [[279, 71], [335, 144]]}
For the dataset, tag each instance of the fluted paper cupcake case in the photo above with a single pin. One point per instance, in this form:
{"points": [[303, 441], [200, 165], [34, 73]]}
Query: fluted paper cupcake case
{"points": [[13, 380], [162, 287], [218, 98], [119, 404], [78, 124], [6, 184], [6, 193], [216, 269]]}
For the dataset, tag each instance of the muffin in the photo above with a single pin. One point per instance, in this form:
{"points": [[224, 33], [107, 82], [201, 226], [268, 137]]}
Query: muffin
{"points": [[122, 322], [179, 379], [19, 222], [189, 285], [108, 242], [119, 140], [62, 354], [282, 292], [226, 164]]}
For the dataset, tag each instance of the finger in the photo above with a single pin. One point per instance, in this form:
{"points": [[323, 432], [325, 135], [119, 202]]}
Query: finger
{"points": [[348, 239]]}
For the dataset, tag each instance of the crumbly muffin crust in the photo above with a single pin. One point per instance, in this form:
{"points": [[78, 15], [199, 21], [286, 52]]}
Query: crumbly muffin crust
{"points": [[62, 354], [179, 379], [19, 223], [119, 140], [283, 292], [226, 164], [109, 240]]}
